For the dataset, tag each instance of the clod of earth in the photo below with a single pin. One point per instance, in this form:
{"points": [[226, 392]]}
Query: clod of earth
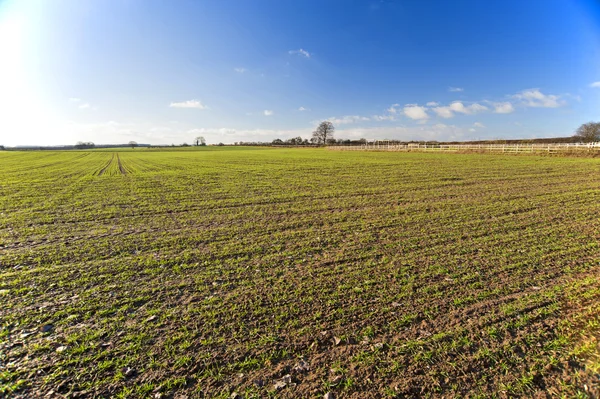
{"points": [[302, 366], [286, 380], [129, 372]]}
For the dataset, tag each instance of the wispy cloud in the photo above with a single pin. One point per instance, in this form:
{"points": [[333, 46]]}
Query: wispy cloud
{"points": [[240, 70], [432, 104], [535, 98], [195, 104], [347, 119], [393, 108], [268, 112], [595, 85], [81, 104], [390, 117], [503, 108], [455, 89], [303, 109], [415, 112], [301, 52], [479, 125]]}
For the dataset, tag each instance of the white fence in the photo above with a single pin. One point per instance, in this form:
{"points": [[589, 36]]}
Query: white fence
{"points": [[505, 148]]}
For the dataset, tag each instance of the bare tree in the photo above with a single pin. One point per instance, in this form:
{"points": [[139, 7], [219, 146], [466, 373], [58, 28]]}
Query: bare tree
{"points": [[199, 141], [324, 133], [588, 132], [132, 144]]}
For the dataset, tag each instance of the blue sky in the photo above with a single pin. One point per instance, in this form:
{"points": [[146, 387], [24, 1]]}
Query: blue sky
{"points": [[111, 71]]}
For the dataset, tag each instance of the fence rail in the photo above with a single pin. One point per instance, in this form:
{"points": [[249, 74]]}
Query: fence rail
{"points": [[505, 148]]}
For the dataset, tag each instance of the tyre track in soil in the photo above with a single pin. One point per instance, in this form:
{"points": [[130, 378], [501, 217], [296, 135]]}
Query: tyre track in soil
{"points": [[121, 168], [106, 166]]}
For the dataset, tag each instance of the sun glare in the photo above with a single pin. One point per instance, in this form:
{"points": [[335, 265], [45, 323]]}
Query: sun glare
{"points": [[23, 111]]}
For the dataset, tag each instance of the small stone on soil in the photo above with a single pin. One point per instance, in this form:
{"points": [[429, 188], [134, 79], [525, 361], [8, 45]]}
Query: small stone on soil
{"points": [[379, 345], [128, 371], [26, 334], [337, 340], [152, 318], [61, 349], [328, 395], [235, 395], [285, 381], [46, 328]]}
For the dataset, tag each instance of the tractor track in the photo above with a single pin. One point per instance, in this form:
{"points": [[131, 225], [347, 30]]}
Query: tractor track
{"points": [[106, 166]]}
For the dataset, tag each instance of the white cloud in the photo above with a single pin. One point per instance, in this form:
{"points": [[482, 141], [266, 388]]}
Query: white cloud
{"points": [[228, 135], [474, 108], [432, 104], [416, 112], [472, 130], [240, 70], [301, 52], [303, 109], [392, 109], [440, 132], [459, 107], [455, 89], [535, 98], [503, 108], [443, 112], [268, 112], [347, 119], [595, 85], [74, 100], [189, 104], [84, 106], [384, 117], [478, 124]]}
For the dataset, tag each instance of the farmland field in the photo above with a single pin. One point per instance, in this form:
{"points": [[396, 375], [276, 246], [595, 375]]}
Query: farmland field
{"points": [[298, 272]]}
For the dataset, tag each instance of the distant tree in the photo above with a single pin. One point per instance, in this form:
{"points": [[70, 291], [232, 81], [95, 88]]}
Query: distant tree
{"points": [[295, 141], [185, 145], [588, 132], [198, 141], [1, 148], [81, 145], [132, 144], [220, 144], [324, 133], [277, 142]]}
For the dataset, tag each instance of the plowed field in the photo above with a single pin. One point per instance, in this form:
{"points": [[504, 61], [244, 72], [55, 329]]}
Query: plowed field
{"points": [[296, 273]]}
